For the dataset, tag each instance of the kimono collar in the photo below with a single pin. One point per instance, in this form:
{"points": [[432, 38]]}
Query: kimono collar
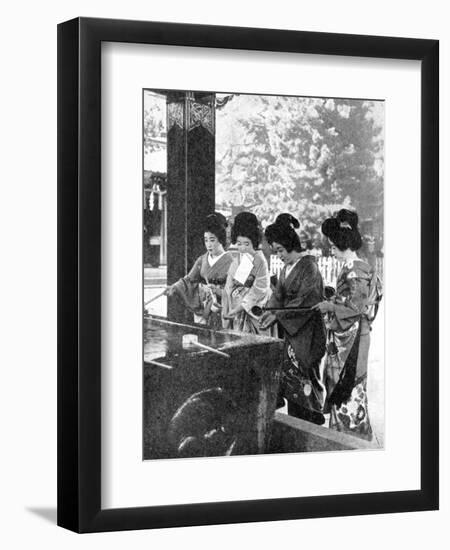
{"points": [[350, 263], [290, 267], [213, 259]]}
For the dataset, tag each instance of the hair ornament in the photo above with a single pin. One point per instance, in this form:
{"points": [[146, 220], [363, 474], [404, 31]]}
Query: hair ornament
{"points": [[345, 225]]}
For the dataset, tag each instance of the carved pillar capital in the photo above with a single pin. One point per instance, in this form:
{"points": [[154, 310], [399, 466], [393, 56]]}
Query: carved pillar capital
{"points": [[189, 110]]}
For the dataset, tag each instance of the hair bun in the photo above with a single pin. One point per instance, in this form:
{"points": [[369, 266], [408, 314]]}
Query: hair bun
{"points": [[246, 224], [245, 221], [347, 219], [282, 231], [217, 219], [342, 230], [287, 220], [216, 224], [330, 226], [246, 218]]}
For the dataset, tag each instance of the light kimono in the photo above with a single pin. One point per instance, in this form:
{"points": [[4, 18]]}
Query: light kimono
{"points": [[201, 289], [348, 342], [253, 291]]}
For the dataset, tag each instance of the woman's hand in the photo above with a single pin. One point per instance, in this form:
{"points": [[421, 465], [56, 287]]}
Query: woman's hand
{"points": [[266, 320], [229, 315], [215, 289], [233, 312], [215, 307], [170, 290], [324, 307]]}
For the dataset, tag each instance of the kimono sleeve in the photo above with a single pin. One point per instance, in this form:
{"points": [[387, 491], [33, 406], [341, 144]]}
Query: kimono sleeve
{"points": [[194, 274], [227, 290], [353, 301], [260, 289], [187, 288], [276, 300], [306, 292]]}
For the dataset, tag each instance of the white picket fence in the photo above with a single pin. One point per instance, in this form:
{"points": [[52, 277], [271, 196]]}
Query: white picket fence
{"points": [[328, 265]]}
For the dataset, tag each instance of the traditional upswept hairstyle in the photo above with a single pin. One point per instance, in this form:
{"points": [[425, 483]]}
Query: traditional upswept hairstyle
{"points": [[283, 232], [342, 230], [246, 225], [216, 224]]}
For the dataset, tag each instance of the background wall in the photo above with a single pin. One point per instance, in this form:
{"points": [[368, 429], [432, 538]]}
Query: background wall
{"points": [[28, 272]]}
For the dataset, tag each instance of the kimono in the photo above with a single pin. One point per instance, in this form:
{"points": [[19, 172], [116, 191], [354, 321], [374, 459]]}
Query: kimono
{"points": [[348, 341], [304, 334], [255, 291], [196, 294]]}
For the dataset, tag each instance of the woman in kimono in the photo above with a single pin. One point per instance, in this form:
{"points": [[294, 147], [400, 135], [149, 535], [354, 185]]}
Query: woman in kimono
{"points": [[201, 289], [248, 281], [348, 319], [300, 286]]}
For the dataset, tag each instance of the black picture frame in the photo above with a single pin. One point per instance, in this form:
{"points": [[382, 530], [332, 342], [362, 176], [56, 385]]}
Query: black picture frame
{"points": [[79, 274]]}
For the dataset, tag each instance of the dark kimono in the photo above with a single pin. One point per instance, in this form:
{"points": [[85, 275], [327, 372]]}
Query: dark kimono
{"points": [[304, 334], [201, 289], [348, 350]]}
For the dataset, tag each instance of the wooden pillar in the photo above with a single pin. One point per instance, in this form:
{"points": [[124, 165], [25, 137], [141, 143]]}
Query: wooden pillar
{"points": [[190, 182]]}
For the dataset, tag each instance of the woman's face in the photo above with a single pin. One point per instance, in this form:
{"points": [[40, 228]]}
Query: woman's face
{"points": [[212, 244], [282, 253], [244, 244], [334, 250]]}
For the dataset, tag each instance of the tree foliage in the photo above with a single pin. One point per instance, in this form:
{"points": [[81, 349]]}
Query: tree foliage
{"points": [[154, 122], [307, 156]]}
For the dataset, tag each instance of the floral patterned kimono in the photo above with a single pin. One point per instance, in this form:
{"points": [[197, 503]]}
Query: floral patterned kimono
{"points": [[304, 334], [255, 291], [195, 293], [348, 341]]}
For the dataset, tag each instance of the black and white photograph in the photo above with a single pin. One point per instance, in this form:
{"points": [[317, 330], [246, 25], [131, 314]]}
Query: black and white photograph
{"points": [[249, 275], [263, 256], [225, 260]]}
